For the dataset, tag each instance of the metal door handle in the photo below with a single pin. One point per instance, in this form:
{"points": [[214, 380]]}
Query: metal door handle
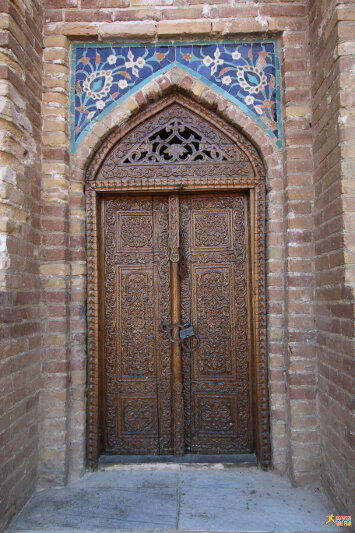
{"points": [[186, 332]]}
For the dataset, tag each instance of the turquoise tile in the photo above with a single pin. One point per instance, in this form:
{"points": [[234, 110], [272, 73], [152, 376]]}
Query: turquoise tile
{"points": [[245, 72]]}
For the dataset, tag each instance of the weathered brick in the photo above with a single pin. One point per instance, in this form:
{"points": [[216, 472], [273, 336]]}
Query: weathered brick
{"points": [[55, 54], [188, 27], [61, 4], [127, 30], [100, 4], [72, 29], [21, 356], [138, 14], [329, 242], [60, 41], [88, 15], [8, 23], [298, 111], [249, 24]]}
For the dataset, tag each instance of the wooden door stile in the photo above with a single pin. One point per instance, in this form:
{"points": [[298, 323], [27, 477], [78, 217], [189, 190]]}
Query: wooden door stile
{"points": [[174, 255]]}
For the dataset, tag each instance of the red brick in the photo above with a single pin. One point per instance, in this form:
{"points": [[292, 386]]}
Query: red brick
{"points": [[140, 100], [302, 393], [62, 4], [58, 154], [283, 8], [99, 4], [183, 13], [54, 15], [88, 15]]}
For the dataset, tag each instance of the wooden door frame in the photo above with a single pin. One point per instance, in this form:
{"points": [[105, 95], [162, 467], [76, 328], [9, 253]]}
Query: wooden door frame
{"points": [[255, 186]]}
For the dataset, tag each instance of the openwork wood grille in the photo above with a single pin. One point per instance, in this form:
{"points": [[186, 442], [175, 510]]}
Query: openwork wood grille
{"points": [[173, 257], [177, 141]]}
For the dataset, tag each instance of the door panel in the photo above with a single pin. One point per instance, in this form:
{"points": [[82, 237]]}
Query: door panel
{"points": [[215, 299], [137, 370], [138, 401]]}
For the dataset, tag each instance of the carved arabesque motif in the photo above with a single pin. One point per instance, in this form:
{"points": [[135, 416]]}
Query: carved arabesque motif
{"points": [[136, 231], [136, 295], [213, 316], [175, 142], [216, 414], [92, 441], [200, 140], [174, 228], [214, 297], [205, 234]]}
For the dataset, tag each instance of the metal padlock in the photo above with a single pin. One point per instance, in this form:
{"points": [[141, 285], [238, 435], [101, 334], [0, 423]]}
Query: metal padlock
{"points": [[186, 332]]}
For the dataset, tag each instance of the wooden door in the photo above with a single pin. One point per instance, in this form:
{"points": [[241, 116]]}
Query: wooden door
{"points": [[215, 299], [136, 365], [144, 409]]}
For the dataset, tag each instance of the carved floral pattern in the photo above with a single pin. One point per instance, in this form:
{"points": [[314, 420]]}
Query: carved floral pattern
{"points": [[136, 330], [136, 297], [214, 297], [139, 416], [242, 158], [174, 228], [216, 416], [199, 144], [211, 229], [136, 231], [173, 143]]}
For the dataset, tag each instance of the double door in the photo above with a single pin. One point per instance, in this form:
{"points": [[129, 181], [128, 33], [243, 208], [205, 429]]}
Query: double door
{"points": [[169, 259]]}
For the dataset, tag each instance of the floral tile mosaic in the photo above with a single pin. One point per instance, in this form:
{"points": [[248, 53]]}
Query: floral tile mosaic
{"points": [[245, 72]]}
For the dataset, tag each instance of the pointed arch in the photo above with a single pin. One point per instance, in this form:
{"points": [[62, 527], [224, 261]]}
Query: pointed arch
{"points": [[113, 169], [176, 109]]}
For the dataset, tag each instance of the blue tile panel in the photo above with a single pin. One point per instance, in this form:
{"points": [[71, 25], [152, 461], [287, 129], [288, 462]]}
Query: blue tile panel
{"points": [[245, 72]]}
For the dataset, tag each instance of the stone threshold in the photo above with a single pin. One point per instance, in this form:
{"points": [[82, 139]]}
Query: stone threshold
{"points": [[191, 500]]}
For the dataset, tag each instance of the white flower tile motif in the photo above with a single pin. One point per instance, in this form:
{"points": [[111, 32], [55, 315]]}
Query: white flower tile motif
{"points": [[247, 73]]}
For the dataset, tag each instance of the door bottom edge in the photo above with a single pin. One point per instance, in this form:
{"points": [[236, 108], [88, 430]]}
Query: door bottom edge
{"points": [[221, 461]]}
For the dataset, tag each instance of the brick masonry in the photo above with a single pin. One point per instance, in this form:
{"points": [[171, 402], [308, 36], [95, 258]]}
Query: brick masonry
{"points": [[310, 237], [333, 108], [20, 182]]}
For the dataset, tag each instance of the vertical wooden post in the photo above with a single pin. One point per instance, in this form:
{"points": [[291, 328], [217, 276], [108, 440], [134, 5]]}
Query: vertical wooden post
{"points": [[178, 405]]}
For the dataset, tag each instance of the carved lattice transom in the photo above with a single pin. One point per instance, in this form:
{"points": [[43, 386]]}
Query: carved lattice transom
{"points": [[175, 142]]}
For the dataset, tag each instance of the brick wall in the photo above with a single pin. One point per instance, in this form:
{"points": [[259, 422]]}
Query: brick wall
{"points": [[63, 268], [298, 224], [333, 82], [20, 158]]}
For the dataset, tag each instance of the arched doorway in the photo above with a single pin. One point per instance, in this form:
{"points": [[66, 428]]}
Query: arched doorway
{"points": [[176, 235]]}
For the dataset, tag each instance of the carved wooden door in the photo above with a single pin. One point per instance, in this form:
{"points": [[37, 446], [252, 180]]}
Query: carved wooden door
{"points": [[169, 242], [136, 359], [171, 259], [214, 298]]}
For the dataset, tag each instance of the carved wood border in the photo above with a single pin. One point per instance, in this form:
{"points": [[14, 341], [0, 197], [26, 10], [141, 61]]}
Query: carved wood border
{"points": [[256, 187]]}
